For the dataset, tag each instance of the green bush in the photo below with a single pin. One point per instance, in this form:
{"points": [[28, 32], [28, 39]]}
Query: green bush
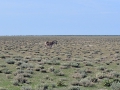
{"points": [[51, 69], [75, 64], [83, 73], [30, 71], [24, 65], [58, 73], [52, 62], [5, 70], [65, 65], [113, 74], [27, 75], [75, 83], [116, 80], [45, 86], [17, 58], [37, 59], [100, 75], [18, 63], [15, 83], [107, 83], [20, 78], [26, 88], [86, 82], [2, 65], [78, 75], [115, 86], [74, 88], [19, 71], [53, 85], [94, 80], [42, 86], [60, 83], [101, 68], [43, 70], [1, 88], [88, 63], [10, 61]]}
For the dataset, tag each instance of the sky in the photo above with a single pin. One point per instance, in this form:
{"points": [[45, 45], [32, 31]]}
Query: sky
{"points": [[59, 17]]}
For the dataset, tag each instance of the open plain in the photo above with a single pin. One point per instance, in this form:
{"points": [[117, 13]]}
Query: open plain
{"points": [[74, 63]]}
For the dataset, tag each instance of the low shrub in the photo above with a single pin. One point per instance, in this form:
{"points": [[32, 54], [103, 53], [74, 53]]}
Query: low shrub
{"points": [[45, 86], [17, 58], [74, 88], [37, 59], [1, 70], [113, 74], [75, 83], [107, 83], [37, 69], [5, 70], [78, 76], [43, 70], [101, 68], [1, 88], [15, 83], [30, 71], [88, 63], [18, 63], [65, 65], [26, 88], [20, 78], [116, 80], [108, 70], [107, 63], [94, 80], [2, 57], [58, 73], [88, 70], [86, 82], [10, 61], [8, 76], [27, 75], [60, 83], [19, 71], [115, 86], [117, 63], [42, 86], [2, 65], [24, 65], [25, 60], [52, 62], [56, 58], [68, 64], [53, 85], [75, 64], [47, 77], [100, 75], [51, 69], [41, 66]]}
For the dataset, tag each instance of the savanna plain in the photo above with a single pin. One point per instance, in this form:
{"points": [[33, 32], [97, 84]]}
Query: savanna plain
{"points": [[74, 63]]}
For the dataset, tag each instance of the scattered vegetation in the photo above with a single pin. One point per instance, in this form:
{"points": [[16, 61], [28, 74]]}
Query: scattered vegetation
{"points": [[75, 63]]}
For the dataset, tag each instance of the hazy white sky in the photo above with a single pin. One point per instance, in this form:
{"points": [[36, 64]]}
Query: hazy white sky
{"points": [[59, 17]]}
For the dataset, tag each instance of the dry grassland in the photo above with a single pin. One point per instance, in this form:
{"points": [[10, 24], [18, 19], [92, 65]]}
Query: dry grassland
{"points": [[75, 63]]}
